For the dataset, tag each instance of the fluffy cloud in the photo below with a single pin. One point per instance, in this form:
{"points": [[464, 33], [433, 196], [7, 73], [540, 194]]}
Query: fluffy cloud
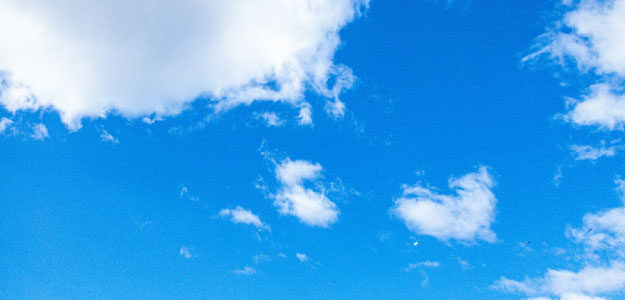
{"points": [[293, 198], [244, 216], [601, 107], [136, 58], [603, 239], [587, 152], [591, 34], [465, 216], [566, 284]]}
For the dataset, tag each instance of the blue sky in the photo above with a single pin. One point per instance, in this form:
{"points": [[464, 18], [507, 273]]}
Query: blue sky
{"points": [[312, 150]]}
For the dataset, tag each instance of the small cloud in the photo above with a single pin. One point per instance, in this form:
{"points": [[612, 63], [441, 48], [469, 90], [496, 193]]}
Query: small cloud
{"points": [[282, 255], [244, 216], [183, 191], [107, 137], [184, 194], [246, 271], [305, 115], [151, 121], [40, 132], [257, 259], [428, 264], [5, 124], [463, 263], [557, 176], [302, 257], [271, 119], [186, 252], [587, 152]]}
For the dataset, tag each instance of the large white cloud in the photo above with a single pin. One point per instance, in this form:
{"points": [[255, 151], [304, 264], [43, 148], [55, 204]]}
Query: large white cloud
{"points": [[465, 216], [310, 206], [88, 58], [591, 35]]}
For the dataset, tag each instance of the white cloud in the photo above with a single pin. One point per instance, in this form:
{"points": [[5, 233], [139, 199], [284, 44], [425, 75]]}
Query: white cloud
{"points": [[601, 107], [271, 119], [5, 123], [465, 216], [135, 58], [186, 252], [302, 257], [587, 152], [293, 198], [603, 270], [40, 132], [107, 137], [429, 264], [591, 34], [591, 280], [246, 271], [244, 216]]}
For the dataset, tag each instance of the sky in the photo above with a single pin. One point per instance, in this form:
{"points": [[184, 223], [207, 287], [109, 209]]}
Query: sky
{"points": [[312, 149]]}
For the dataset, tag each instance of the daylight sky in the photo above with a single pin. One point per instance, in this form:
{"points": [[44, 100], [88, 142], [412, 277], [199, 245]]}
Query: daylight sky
{"points": [[312, 149]]}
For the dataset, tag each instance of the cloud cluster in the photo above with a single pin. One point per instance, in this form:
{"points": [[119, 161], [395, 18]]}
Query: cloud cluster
{"points": [[243, 216], [293, 198], [464, 216], [591, 35], [137, 58]]}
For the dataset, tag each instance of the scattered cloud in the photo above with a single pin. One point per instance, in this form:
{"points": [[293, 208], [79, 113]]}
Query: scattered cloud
{"points": [[233, 53], [302, 257], [40, 132], [186, 252], [246, 271], [603, 268], [243, 216], [293, 198], [464, 216]]}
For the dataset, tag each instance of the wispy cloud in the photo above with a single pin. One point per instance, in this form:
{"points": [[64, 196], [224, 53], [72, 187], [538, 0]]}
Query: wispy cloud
{"points": [[245, 271]]}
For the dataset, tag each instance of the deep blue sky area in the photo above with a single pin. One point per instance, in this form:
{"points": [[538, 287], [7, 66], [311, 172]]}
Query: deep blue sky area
{"points": [[440, 90]]}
